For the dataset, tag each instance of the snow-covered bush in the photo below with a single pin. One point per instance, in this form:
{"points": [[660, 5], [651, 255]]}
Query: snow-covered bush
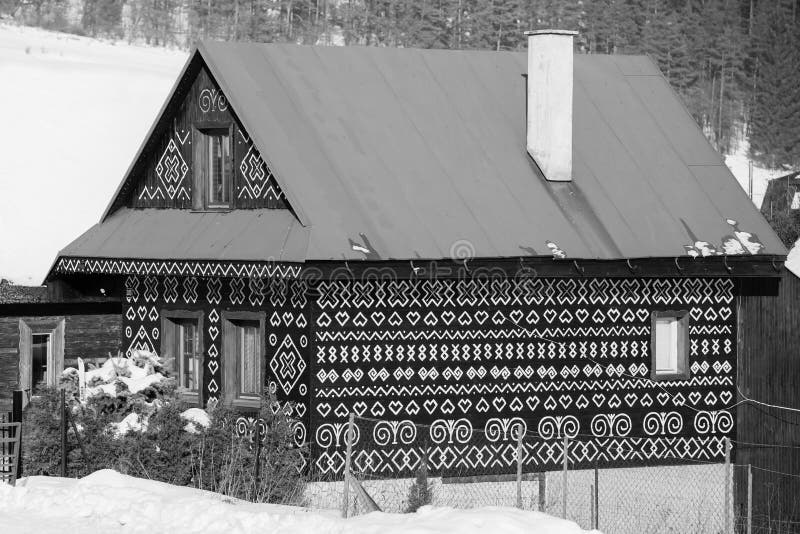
{"points": [[131, 419]]}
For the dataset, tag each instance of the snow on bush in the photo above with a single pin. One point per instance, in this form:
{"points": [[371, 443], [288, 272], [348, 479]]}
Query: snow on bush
{"points": [[107, 501], [130, 418]]}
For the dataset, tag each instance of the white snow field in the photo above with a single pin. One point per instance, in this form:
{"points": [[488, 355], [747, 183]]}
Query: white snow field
{"points": [[75, 111], [107, 501]]}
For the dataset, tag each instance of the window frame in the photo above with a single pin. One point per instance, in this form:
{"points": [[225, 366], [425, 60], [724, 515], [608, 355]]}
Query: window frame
{"points": [[684, 371], [230, 358], [203, 130], [48, 358], [170, 318]]}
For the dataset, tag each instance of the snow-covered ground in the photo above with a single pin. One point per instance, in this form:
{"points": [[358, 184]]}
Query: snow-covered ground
{"points": [[106, 501], [75, 111], [739, 163]]}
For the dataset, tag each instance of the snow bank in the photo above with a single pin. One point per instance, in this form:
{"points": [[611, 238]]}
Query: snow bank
{"points": [[197, 418], [107, 501]]}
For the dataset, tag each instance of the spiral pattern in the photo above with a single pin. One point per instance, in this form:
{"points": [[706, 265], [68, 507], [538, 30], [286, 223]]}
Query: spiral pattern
{"points": [[548, 427], [382, 433], [569, 426], [462, 250], [652, 423], [724, 422], [206, 100], [673, 423], [601, 424], [406, 432], [326, 435]]}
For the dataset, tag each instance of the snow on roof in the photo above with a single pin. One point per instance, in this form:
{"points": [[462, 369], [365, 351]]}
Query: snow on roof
{"points": [[793, 259]]}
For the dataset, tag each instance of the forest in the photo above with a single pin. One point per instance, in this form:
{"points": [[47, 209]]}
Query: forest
{"points": [[735, 63]]}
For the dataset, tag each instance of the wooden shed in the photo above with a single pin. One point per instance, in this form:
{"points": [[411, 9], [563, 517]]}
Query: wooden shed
{"points": [[41, 332]]}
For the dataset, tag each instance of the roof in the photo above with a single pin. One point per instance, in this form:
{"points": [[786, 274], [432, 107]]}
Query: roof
{"points": [[247, 235], [13, 294], [418, 153], [780, 193]]}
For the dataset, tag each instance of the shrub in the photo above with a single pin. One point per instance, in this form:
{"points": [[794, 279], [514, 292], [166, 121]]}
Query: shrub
{"points": [[215, 458]]}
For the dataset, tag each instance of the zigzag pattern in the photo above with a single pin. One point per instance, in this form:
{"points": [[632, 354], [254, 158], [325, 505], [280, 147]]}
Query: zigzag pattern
{"points": [[177, 268], [466, 335], [506, 387]]}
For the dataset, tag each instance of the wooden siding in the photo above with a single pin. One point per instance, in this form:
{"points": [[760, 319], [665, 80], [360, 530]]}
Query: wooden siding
{"points": [[90, 337], [166, 177], [563, 355], [769, 371]]}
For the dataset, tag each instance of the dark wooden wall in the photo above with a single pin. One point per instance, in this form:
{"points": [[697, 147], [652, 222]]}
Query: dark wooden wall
{"points": [[769, 371], [165, 177], [90, 337]]}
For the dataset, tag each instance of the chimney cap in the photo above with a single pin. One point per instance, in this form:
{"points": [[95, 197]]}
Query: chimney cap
{"points": [[552, 32]]}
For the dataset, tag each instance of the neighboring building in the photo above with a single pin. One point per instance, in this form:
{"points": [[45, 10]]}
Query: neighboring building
{"points": [[783, 194], [362, 230], [769, 371], [41, 333]]}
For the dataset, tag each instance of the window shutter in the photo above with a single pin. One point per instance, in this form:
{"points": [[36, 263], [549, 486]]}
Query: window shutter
{"points": [[56, 364], [198, 169], [25, 356], [168, 345], [230, 369]]}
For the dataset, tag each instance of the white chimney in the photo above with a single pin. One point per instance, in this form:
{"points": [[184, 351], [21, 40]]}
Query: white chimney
{"points": [[550, 102]]}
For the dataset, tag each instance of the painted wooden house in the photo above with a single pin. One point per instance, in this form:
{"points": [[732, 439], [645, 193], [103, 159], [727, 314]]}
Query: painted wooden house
{"points": [[467, 240]]}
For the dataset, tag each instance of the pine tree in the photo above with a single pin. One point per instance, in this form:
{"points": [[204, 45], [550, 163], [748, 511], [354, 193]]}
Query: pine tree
{"points": [[775, 117]]}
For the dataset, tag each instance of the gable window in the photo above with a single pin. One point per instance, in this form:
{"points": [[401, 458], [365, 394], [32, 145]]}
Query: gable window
{"points": [[670, 345], [182, 345], [213, 165], [243, 356]]}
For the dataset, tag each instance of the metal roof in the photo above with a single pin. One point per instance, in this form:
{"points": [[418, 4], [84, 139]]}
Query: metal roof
{"points": [[415, 153], [247, 235]]}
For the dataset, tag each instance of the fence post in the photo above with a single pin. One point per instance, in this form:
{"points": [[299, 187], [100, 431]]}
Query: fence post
{"points": [[16, 417], [727, 485], [348, 438], [596, 499], [542, 491], [257, 466], [519, 466], [564, 486], [63, 430], [749, 499]]}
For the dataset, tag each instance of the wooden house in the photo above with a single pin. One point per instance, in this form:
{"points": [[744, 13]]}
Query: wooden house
{"points": [[42, 332], [473, 241], [782, 195]]}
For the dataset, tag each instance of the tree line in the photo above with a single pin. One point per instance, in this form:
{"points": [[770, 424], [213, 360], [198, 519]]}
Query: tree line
{"points": [[735, 63]]}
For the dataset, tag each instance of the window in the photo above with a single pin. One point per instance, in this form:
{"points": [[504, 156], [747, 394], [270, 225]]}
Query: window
{"points": [[182, 345], [213, 168], [243, 356], [40, 354], [670, 345]]}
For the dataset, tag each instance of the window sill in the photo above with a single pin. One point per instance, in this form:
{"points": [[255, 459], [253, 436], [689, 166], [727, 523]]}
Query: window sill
{"points": [[212, 210], [189, 398], [247, 403]]}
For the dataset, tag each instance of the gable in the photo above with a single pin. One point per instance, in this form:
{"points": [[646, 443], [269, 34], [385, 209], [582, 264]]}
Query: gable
{"points": [[164, 175]]}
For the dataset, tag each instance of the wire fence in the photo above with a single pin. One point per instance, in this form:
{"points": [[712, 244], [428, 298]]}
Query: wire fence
{"points": [[698, 496]]}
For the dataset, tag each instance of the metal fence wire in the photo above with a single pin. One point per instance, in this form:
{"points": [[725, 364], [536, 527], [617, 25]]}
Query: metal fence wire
{"points": [[690, 496]]}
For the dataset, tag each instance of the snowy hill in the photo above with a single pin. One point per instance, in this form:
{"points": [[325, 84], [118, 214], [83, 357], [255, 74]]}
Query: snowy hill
{"points": [[75, 111], [79, 109]]}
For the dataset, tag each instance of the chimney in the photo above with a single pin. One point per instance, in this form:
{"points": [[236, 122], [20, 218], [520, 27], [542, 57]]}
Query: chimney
{"points": [[550, 102]]}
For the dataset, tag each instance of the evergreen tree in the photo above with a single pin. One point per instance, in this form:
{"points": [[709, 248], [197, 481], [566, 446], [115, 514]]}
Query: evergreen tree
{"points": [[775, 117]]}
